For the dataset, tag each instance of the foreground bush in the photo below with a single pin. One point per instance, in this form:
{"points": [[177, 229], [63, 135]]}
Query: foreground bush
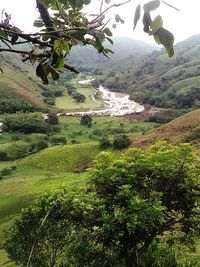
{"points": [[130, 202]]}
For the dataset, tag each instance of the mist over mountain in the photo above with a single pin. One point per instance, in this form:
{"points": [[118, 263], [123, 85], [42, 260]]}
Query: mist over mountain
{"points": [[123, 48]]}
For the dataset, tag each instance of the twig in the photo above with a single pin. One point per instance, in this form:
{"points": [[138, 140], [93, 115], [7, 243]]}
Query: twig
{"points": [[101, 7], [108, 8]]}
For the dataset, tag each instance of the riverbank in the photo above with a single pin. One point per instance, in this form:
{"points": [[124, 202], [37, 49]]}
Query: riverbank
{"points": [[117, 104]]}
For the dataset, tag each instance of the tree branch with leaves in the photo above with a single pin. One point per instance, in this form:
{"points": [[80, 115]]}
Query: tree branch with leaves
{"points": [[63, 25]]}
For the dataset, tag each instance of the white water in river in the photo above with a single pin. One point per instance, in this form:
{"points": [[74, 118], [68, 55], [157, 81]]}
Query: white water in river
{"points": [[118, 104]]}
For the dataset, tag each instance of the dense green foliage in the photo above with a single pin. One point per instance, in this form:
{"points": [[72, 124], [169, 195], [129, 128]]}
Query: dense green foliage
{"points": [[26, 123], [131, 200], [121, 141], [86, 120], [11, 104]]}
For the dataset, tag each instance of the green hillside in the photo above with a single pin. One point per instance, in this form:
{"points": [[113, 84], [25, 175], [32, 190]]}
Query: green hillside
{"points": [[170, 82], [160, 80]]}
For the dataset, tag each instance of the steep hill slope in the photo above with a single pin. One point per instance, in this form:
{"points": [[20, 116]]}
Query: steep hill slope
{"points": [[183, 129], [169, 82], [160, 80], [19, 79]]}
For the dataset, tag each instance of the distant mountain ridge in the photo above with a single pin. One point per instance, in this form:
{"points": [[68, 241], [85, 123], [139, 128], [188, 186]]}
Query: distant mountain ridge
{"points": [[123, 48]]}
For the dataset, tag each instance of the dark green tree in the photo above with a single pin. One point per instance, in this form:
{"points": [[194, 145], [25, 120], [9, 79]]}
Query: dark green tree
{"points": [[86, 120], [52, 118], [121, 141]]}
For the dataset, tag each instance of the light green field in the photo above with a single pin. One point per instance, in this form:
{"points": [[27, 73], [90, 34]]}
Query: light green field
{"points": [[101, 126], [67, 103]]}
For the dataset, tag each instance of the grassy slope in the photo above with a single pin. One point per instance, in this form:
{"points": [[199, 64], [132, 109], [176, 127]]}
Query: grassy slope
{"points": [[53, 168], [18, 84], [157, 76], [61, 159], [175, 131], [106, 126]]}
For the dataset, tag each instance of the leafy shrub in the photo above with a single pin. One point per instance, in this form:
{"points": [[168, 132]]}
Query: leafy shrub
{"points": [[3, 155], [58, 140], [6, 171], [52, 119], [12, 104], [121, 141], [17, 151], [104, 143], [50, 101], [86, 120], [37, 146], [26, 123]]}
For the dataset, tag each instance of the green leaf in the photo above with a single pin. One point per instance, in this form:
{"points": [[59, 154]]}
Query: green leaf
{"points": [[38, 23], [109, 40], [58, 46], [156, 24], [151, 5], [107, 1], [157, 38], [170, 51], [107, 31], [167, 40], [3, 34], [66, 46], [137, 15]]}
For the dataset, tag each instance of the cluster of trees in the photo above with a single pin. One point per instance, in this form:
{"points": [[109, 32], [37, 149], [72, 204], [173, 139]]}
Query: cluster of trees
{"points": [[12, 104], [28, 123], [71, 90], [131, 200], [50, 96]]}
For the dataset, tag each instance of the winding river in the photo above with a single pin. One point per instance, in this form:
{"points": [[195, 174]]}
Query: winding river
{"points": [[117, 104]]}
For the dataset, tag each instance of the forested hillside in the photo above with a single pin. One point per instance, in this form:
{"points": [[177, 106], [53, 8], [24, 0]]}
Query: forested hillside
{"points": [[162, 81]]}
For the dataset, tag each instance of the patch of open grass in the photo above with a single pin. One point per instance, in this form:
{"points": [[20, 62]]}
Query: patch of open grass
{"points": [[67, 103], [61, 159]]}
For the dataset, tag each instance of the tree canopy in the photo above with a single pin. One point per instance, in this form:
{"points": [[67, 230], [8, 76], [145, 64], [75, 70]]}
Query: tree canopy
{"points": [[63, 24], [131, 201]]}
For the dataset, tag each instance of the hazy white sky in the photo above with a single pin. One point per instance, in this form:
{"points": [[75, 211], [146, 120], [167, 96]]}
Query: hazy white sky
{"points": [[183, 24]]}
